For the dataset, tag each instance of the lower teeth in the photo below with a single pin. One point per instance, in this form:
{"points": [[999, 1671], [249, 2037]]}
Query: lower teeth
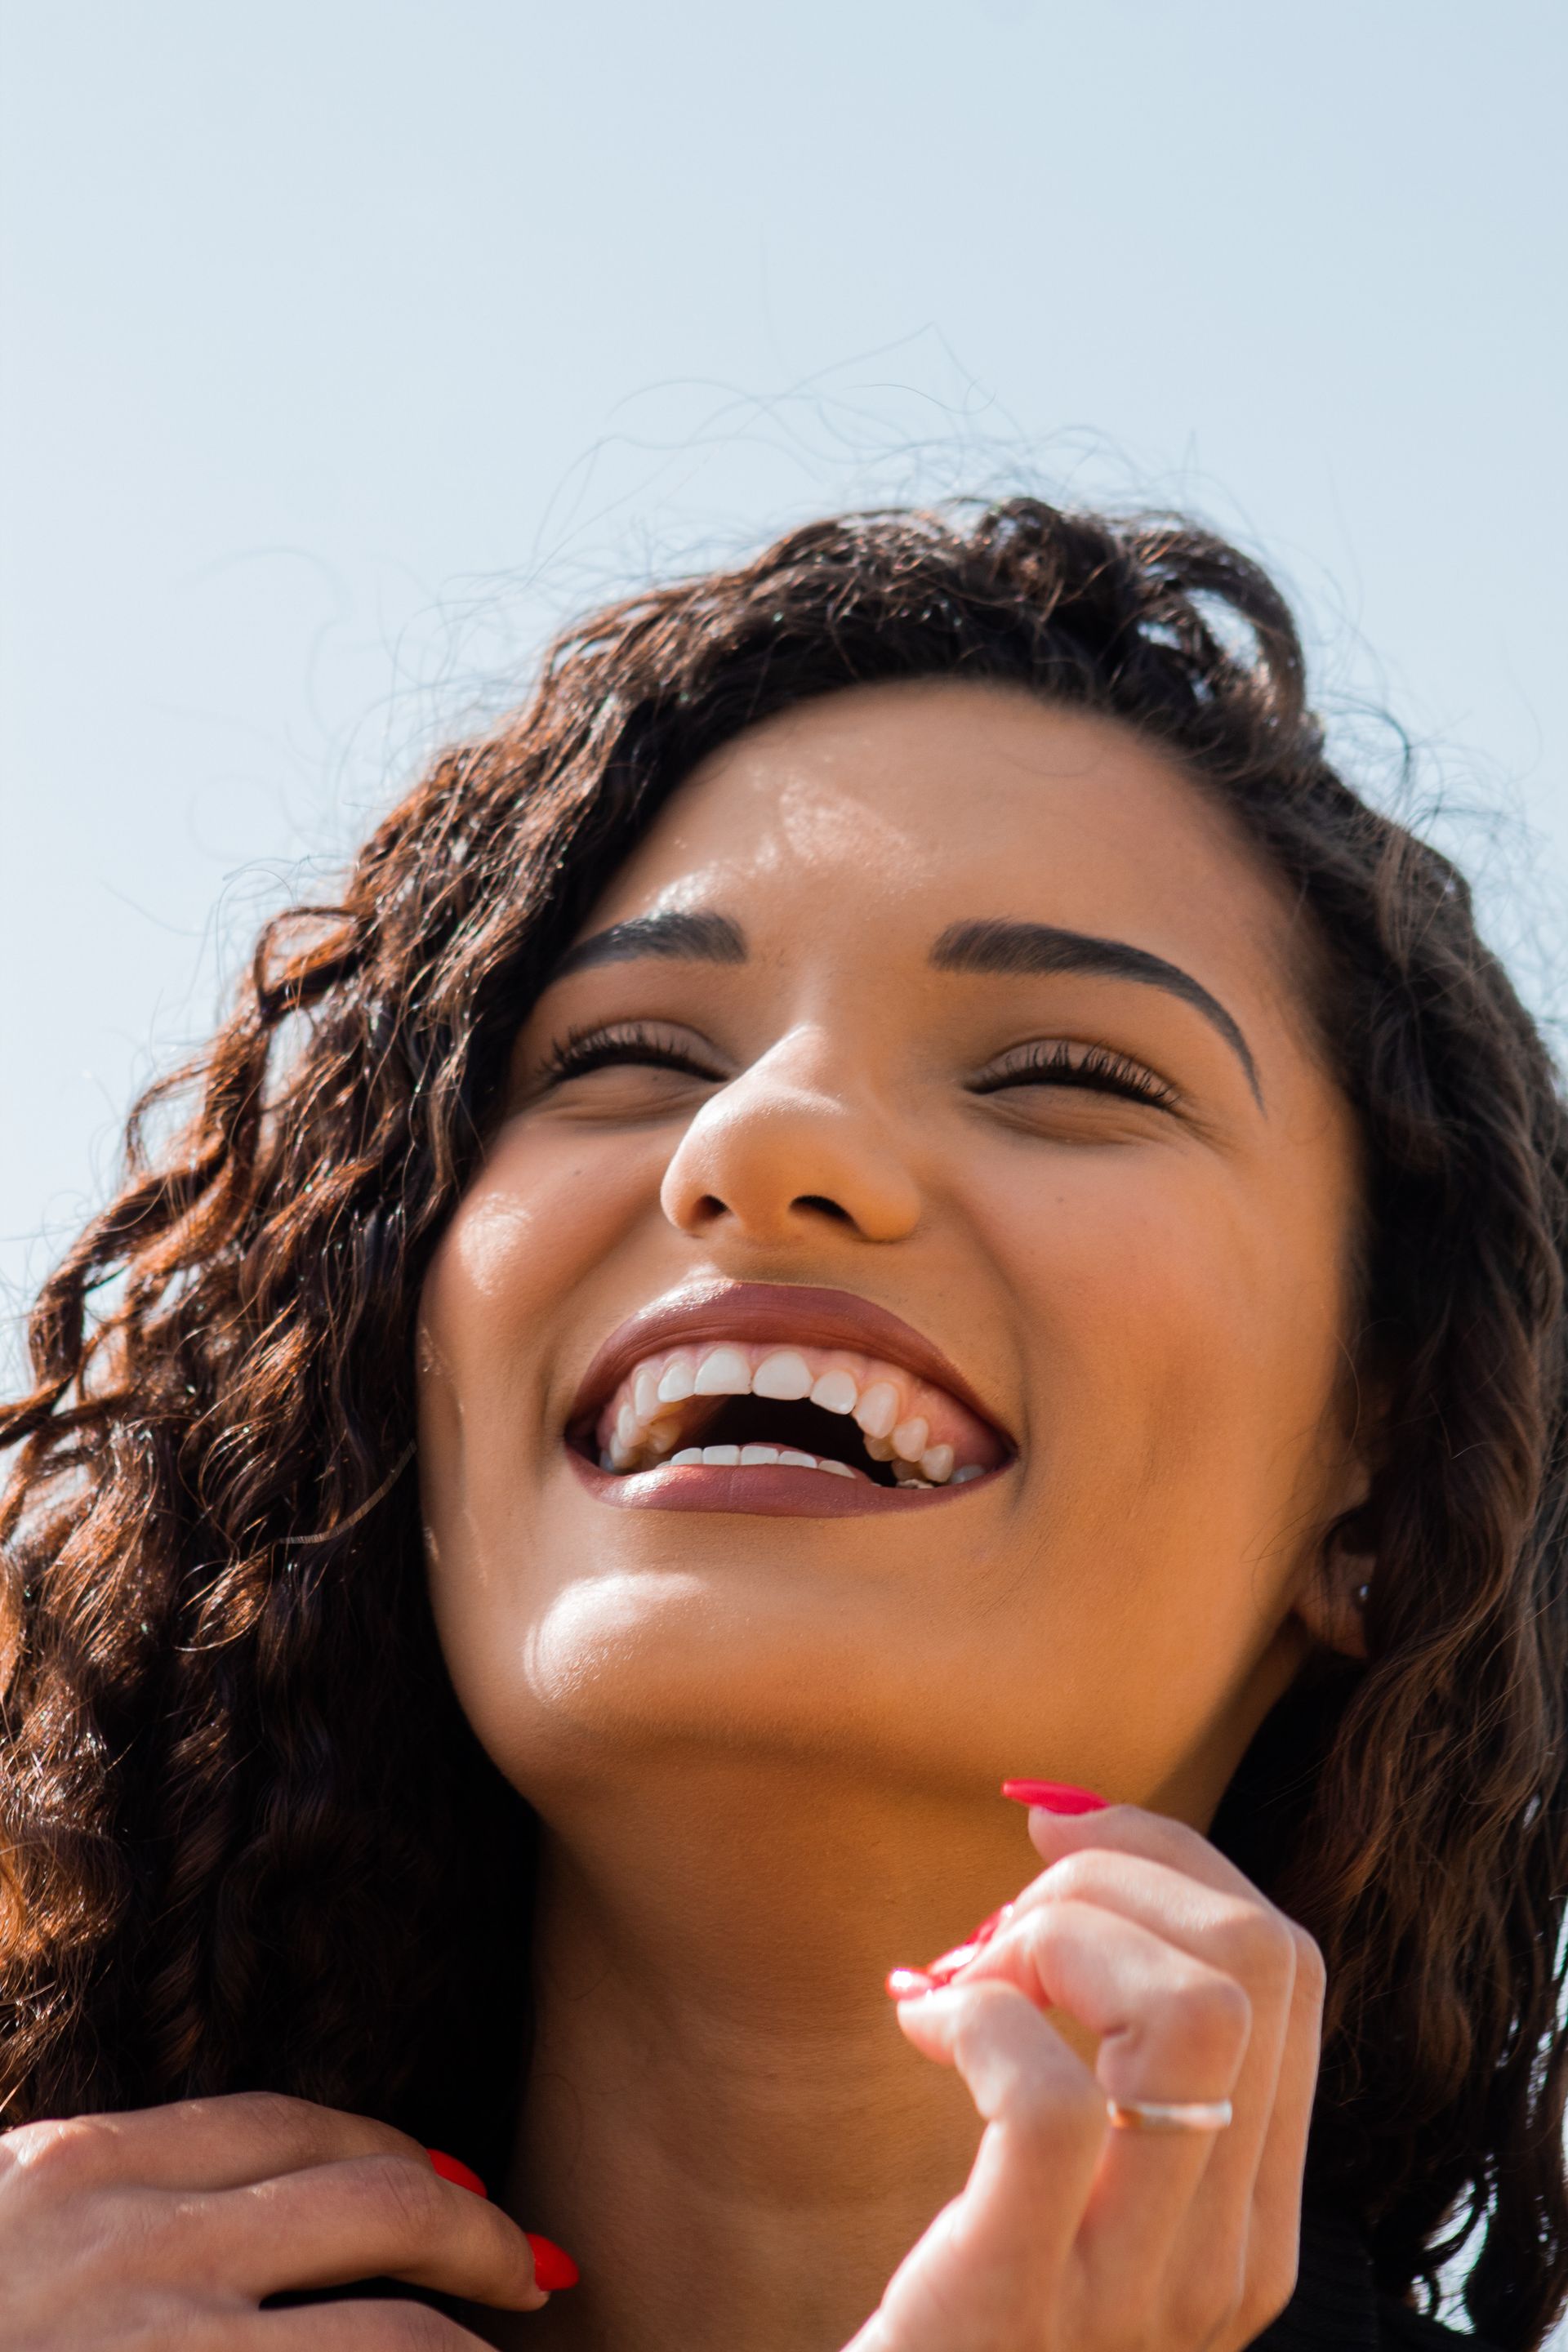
{"points": [[758, 1457], [753, 1457]]}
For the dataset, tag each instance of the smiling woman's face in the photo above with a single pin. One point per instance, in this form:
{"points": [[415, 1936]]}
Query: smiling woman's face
{"points": [[941, 1110]]}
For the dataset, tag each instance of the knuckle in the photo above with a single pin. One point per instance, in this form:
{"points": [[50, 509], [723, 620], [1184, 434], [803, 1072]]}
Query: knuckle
{"points": [[1312, 1968], [56, 2156], [119, 2237], [406, 2197], [1258, 1948], [1209, 2017], [1077, 1876]]}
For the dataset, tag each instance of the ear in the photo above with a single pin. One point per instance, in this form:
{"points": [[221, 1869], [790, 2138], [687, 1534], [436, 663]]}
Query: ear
{"points": [[1331, 1603]]}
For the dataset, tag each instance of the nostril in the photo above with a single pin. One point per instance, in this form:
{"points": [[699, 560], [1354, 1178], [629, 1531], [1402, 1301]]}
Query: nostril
{"points": [[826, 1207]]}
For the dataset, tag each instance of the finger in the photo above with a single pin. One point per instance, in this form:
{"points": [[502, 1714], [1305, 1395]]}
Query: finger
{"points": [[1276, 2214], [988, 2269], [1170, 2026], [1234, 1923], [210, 2144], [1266, 2150], [369, 2217], [1108, 1857], [1241, 1934], [1131, 1829], [1231, 2258], [371, 2327]]}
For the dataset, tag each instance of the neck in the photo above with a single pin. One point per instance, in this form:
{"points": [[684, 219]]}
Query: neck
{"points": [[723, 2123]]}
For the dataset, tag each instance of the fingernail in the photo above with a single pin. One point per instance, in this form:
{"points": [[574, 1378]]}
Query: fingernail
{"points": [[946, 1965], [553, 2266], [1055, 1796], [904, 1982], [988, 1927], [451, 2168]]}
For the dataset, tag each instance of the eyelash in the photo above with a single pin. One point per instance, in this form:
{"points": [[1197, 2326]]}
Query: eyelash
{"points": [[1094, 1067], [582, 1050]]}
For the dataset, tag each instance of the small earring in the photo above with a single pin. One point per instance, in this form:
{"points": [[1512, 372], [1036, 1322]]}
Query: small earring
{"points": [[1363, 1595]]}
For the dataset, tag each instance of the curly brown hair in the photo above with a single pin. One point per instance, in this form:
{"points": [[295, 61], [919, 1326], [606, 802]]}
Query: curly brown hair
{"points": [[247, 1838]]}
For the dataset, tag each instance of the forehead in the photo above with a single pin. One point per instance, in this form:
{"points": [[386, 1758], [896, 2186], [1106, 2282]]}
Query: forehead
{"points": [[910, 806]]}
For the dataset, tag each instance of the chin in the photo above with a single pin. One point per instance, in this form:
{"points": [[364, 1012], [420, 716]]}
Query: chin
{"points": [[649, 1666]]}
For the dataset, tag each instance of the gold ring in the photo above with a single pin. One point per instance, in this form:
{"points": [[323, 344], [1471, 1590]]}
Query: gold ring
{"points": [[1164, 2116]]}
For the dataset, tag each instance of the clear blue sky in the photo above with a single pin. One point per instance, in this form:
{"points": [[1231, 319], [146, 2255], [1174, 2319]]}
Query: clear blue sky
{"points": [[346, 343], [349, 342]]}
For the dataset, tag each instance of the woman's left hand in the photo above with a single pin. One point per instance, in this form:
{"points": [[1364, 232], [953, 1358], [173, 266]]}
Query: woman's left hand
{"points": [[1072, 2236]]}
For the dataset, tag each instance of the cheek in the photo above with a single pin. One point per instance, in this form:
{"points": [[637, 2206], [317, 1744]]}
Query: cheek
{"points": [[1184, 1339], [1183, 1349], [499, 1313], [499, 1334], [540, 1215]]}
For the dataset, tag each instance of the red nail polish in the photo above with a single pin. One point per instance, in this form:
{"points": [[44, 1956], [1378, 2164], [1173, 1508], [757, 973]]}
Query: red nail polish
{"points": [[553, 2266], [449, 2169], [903, 1984], [1055, 1796]]}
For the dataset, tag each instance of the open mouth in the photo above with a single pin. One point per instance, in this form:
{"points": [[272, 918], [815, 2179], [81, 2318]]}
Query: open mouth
{"points": [[821, 1413]]}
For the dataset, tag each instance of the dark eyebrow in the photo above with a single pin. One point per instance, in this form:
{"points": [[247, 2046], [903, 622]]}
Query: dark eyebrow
{"points": [[1040, 947], [699, 938]]}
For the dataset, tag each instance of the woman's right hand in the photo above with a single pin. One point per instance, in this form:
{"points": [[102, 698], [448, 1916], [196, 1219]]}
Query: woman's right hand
{"points": [[165, 2228]]}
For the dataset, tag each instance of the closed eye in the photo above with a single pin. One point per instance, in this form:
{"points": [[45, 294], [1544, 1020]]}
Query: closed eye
{"points": [[1063, 1063], [630, 1042]]}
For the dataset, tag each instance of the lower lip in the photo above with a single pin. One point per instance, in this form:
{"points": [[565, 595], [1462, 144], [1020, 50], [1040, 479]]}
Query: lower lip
{"points": [[762, 1491]]}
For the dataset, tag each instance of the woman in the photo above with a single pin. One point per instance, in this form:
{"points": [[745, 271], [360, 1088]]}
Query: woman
{"points": [[940, 1202]]}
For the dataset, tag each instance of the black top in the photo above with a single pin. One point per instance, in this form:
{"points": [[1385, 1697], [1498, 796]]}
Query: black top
{"points": [[1336, 2306]]}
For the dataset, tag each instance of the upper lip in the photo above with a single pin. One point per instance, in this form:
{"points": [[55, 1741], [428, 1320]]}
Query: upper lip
{"points": [[785, 1311]]}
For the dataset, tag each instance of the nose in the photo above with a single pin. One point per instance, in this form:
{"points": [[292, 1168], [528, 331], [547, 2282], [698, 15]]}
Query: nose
{"points": [[782, 1151]]}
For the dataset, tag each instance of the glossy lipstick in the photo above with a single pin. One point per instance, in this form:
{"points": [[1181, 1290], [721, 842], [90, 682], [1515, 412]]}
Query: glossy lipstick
{"points": [[749, 1316]]}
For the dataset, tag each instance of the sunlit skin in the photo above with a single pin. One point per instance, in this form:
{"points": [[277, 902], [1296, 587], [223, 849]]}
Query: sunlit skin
{"points": [[767, 1746]]}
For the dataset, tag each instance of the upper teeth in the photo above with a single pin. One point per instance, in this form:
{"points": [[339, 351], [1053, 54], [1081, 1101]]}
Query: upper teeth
{"points": [[642, 1425]]}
